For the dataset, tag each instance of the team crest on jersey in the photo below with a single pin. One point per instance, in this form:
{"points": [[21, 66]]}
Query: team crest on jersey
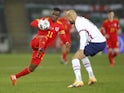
{"points": [[57, 29]]}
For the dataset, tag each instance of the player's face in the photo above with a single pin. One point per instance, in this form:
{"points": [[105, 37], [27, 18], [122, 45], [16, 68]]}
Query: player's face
{"points": [[55, 15], [111, 15]]}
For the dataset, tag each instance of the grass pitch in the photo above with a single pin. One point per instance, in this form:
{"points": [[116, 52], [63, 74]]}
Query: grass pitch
{"points": [[53, 77]]}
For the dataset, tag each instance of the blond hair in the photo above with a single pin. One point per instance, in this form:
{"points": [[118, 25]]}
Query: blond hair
{"points": [[71, 12]]}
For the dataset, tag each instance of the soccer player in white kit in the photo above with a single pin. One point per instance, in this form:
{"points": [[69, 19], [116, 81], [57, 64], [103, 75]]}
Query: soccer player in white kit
{"points": [[91, 42]]}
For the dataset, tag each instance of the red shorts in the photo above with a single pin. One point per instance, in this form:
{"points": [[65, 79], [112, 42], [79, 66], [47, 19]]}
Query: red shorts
{"points": [[37, 42], [112, 44]]}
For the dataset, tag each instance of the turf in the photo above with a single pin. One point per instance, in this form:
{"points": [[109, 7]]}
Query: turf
{"points": [[53, 77]]}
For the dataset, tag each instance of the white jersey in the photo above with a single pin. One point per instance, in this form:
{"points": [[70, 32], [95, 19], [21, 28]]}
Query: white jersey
{"points": [[88, 32]]}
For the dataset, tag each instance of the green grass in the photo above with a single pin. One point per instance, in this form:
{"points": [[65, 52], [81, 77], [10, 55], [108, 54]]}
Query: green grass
{"points": [[53, 77]]}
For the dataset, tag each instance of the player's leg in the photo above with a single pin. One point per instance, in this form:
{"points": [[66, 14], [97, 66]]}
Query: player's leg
{"points": [[35, 61], [77, 69], [64, 54], [65, 50], [115, 46], [115, 52], [88, 67], [110, 56], [33, 65], [110, 52]]}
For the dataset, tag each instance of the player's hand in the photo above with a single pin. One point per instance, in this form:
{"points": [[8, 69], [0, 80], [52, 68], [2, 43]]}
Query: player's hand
{"points": [[68, 44], [40, 50], [107, 36]]}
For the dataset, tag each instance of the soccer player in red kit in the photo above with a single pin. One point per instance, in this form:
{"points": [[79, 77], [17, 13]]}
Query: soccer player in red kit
{"points": [[42, 41], [110, 29], [65, 49]]}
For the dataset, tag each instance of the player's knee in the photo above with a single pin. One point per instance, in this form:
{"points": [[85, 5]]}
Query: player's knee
{"points": [[79, 55], [32, 68], [115, 54]]}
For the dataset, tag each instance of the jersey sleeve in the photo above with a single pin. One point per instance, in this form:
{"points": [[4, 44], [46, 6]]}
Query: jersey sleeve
{"points": [[63, 34], [34, 23], [82, 39]]}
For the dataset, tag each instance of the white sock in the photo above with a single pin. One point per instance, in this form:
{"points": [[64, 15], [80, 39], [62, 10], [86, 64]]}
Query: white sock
{"points": [[88, 67], [76, 68]]}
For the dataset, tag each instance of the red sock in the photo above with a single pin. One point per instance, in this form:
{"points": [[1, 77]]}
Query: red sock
{"points": [[23, 72], [111, 59], [64, 56]]}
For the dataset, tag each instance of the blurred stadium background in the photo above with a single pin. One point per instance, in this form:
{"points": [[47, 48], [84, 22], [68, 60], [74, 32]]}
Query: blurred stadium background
{"points": [[16, 15]]}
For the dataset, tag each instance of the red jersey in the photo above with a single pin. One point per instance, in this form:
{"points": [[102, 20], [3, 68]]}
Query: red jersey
{"points": [[52, 32], [67, 27], [111, 28]]}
